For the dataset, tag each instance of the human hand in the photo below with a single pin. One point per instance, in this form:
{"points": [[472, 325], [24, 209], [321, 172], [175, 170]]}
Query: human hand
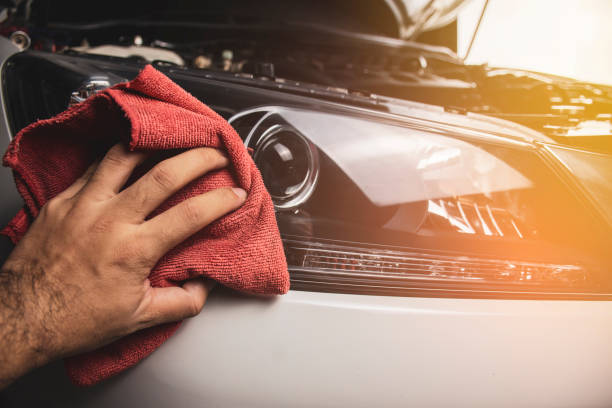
{"points": [[78, 278]]}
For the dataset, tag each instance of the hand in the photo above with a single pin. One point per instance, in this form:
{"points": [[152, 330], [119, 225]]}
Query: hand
{"points": [[78, 279]]}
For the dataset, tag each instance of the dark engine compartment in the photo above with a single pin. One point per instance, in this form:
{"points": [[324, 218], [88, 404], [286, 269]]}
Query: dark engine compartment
{"points": [[345, 47]]}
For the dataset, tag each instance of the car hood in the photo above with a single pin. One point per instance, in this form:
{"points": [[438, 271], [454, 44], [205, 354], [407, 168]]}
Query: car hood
{"points": [[404, 19]]}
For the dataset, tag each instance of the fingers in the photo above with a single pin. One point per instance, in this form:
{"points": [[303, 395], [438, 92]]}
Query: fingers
{"points": [[176, 224], [113, 171], [176, 303], [167, 177], [80, 182]]}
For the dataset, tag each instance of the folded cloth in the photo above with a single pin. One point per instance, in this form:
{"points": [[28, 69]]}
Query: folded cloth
{"points": [[242, 250]]}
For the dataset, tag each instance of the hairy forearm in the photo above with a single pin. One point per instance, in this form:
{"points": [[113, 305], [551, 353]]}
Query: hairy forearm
{"points": [[78, 279], [26, 341]]}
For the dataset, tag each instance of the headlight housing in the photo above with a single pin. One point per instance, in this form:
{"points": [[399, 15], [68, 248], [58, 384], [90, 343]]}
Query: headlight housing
{"points": [[397, 209], [372, 202]]}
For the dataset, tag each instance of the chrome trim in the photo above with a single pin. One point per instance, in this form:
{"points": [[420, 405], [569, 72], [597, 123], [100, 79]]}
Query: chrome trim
{"points": [[21, 40], [87, 89]]}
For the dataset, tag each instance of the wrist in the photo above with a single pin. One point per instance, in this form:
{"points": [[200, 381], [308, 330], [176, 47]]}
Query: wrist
{"points": [[25, 344]]}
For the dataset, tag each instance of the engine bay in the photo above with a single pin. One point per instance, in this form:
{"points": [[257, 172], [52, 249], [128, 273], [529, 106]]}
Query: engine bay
{"points": [[313, 55]]}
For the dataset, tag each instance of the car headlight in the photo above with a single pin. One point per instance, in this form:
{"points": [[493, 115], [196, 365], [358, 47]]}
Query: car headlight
{"points": [[396, 209], [370, 202]]}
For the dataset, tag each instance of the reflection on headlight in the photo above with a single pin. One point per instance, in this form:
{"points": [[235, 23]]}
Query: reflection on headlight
{"points": [[470, 218], [594, 171], [394, 165], [440, 158]]}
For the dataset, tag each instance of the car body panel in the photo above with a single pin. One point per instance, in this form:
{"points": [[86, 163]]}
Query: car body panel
{"points": [[309, 349]]}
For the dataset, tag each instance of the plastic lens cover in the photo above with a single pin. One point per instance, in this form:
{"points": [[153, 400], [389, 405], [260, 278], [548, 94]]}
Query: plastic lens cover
{"points": [[447, 214], [594, 170]]}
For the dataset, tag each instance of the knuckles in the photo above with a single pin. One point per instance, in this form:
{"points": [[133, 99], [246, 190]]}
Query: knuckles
{"points": [[193, 309], [54, 208], [192, 211], [133, 252], [116, 156], [163, 176]]}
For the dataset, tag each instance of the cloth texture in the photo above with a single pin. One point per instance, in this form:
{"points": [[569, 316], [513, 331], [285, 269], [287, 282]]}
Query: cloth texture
{"points": [[242, 250]]}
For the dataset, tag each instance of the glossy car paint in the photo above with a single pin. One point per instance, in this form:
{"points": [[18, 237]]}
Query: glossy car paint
{"points": [[319, 349]]}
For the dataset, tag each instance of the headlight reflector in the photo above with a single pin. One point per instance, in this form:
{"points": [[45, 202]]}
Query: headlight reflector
{"points": [[288, 164]]}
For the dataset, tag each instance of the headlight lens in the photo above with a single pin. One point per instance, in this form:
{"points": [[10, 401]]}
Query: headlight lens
{"points": [[288, 163], [594, 170], [401, 210], [368, 202]]}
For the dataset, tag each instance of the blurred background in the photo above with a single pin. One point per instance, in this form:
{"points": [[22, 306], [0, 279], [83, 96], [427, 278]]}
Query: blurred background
{"points": [[562, 37]]}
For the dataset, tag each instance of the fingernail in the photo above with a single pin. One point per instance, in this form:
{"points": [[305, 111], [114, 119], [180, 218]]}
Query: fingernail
{"points": [[239, 192]]}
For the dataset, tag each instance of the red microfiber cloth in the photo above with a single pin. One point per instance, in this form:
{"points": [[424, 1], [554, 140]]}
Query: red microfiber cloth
{"points": [[242, 250]]}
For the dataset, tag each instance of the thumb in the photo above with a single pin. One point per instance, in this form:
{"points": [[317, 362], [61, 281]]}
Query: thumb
{"points": [[176, 303]]}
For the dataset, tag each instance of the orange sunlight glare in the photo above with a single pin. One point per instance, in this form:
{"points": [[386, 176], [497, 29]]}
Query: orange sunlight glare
{"points": [[562, 37]]}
